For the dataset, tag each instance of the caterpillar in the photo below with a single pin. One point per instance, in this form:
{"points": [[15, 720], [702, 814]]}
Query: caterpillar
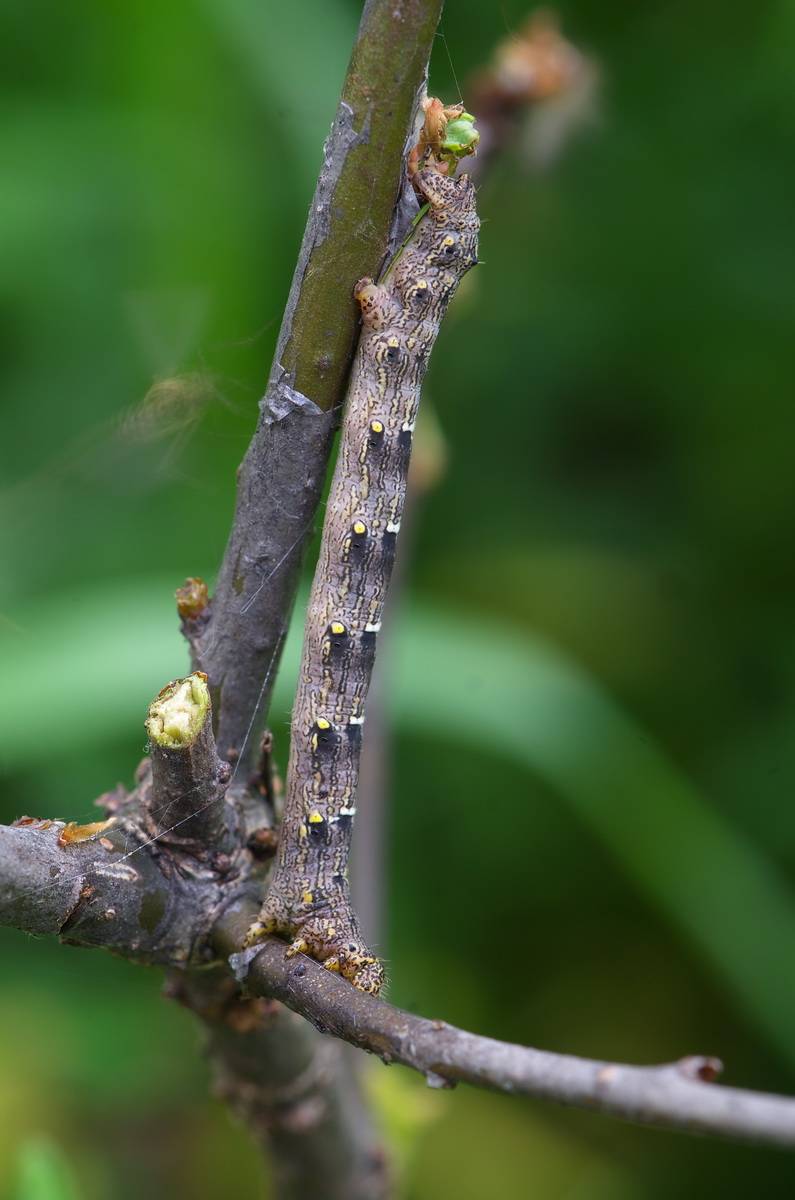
{"points": [[308, 898]]}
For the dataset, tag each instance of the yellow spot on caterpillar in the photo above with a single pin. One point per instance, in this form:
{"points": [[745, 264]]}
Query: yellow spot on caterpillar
{"points": [[307, 897], [421, 284], [331, 931], [322, 723], [376, 427], [393, 341], [337, 627], [302, 830], [332, 964], [313, 742], [359, 527], [315, 818], [448, 241]]}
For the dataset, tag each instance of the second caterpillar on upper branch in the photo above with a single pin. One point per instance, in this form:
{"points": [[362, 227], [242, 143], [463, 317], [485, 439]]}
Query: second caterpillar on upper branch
{"points": [[308, 899]]}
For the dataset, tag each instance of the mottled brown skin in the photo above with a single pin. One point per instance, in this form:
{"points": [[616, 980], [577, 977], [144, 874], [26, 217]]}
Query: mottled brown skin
{"points": [[308, 899]]}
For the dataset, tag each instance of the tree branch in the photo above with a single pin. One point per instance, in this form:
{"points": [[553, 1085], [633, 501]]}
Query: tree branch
{"points": [[109, 886], [84, 892], [94, 889], [237, 639], [677, 1096], [291, 1088], [282, 474]]}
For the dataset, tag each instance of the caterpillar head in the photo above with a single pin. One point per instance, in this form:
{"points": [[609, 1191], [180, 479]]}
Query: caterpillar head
{"points": [[452, 200], [453, 211]]}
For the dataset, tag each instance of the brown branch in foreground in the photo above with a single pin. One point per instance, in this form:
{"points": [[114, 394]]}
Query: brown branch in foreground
{"points": [[678, 1096], [238, 640], [110, 890], [107, 885], [100, 901]]}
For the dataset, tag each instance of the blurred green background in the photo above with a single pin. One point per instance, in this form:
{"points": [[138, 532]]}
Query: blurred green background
{"points": [[593, 835]]}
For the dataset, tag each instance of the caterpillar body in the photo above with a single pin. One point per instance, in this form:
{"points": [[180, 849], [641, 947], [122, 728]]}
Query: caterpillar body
{"points": [[308, 897]]}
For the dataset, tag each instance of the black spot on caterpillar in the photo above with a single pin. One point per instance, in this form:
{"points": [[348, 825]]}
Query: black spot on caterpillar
{"points": [[355, 737], [376, 435], [400, 322], [319, 832]]}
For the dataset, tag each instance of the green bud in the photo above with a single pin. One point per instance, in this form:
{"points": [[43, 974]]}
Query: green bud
{"points": [[177, 714], [461, 137]]}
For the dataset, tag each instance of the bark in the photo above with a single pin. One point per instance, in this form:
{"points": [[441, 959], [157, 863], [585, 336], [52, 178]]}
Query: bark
{"points": [[269, 1071], [677, 1095], [186, 800], [352, 221], [110, 890], [354, 218], [294, 1091]]}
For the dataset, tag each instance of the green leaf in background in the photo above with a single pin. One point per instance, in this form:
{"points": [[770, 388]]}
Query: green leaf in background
{"points": [[528, 700], [455, 677], [301, 110], [64, 647], [43, 1172]]}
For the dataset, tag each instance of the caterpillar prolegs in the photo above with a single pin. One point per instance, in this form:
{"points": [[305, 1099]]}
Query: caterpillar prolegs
{"points": [[308, 898]]}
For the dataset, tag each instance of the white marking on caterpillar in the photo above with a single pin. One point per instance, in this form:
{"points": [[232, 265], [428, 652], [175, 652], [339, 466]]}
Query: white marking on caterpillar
{"points": [[372, 627], [393, 527]]}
